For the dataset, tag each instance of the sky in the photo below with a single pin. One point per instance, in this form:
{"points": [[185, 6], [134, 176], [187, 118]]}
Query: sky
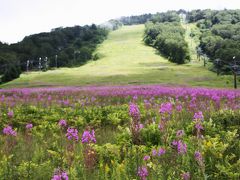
{"points": [[19, 18]]}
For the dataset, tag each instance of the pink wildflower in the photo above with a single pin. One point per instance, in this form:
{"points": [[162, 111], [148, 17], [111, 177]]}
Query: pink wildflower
{"points": [[154, 152], [134, 111], [161, 151], [185, 176], [60, 175], [142, 172], [62, 123], [166, 108], [72, 134], [88, 137], [29, 126], [9, 131], [198, 116], [10, 114], [146, 158]]}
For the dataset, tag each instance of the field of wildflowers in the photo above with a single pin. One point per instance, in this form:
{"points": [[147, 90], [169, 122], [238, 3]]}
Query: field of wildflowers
{"points": [[120, 132]]}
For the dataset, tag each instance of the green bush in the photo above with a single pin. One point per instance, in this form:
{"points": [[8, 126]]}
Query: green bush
{"points": [[169, 40], [11, 72], [227, 119], [150, 135]]}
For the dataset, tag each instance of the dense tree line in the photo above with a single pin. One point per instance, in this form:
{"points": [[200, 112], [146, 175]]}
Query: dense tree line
{"points": [[207, 18], [169, 16], [70, 46], [220, 37], [140, 19], [112, 24], [168, 39]]}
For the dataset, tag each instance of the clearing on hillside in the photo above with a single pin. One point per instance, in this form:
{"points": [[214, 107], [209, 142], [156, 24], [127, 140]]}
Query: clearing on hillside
{"points": [[125, 60]]}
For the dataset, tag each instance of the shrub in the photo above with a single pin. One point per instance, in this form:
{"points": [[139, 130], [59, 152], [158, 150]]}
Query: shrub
{"points": [[11, 72], [168, 39]]}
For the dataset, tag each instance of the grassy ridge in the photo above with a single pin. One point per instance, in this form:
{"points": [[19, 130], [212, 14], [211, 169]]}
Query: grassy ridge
{"points": [[125, 60]]}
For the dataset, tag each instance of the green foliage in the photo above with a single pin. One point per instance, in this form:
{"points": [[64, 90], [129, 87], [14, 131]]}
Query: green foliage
{"points": [[94, 116], [7, 57], [168, 39], [131, 20], [207, 18], [221, 44], [11, 72], [151, 135], [169, 16], [227, 120], [72, 45], [140, 65], [221, 148], [220, 38], [112, 24], [37, 153]]}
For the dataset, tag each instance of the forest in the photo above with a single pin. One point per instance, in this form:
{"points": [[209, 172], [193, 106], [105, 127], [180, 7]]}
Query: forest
{"points": [[168, 39], [220, 38], [139, 98], [74, 46], [169, 16], [62, 47], [163, 32]]}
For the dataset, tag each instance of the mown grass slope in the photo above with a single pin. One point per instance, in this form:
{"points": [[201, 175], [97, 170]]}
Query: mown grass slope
{"points": [[126, 60]]}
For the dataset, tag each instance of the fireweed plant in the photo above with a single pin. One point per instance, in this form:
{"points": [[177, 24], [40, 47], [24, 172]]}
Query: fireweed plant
{"points": [[120, 132]]}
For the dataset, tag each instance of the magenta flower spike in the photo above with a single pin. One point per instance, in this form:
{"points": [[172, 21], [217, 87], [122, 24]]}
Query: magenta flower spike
{"points": [[198, 116], [9, 131], [161, 151], [185, 176], [146, 158], [29, 126], [88, 137], [62, 123], [72, 134], [60, 175], [10, 114], [134, 111], [142, 172]]}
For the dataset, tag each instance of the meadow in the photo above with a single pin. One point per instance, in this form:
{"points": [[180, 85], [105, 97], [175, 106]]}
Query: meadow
{"points": [[131, 114], [119, 132], [124, 59], [130, 99]]}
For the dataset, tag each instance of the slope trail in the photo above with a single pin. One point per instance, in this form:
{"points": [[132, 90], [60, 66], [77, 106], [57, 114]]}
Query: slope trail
{"points": [[124, 60], [124, 53]]}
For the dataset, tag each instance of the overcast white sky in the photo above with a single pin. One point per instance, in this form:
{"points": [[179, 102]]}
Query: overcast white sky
{"points": [[19, 18]]}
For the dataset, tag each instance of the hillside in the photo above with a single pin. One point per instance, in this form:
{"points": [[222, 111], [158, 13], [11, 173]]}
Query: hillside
{"points": [[126, 60]]}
